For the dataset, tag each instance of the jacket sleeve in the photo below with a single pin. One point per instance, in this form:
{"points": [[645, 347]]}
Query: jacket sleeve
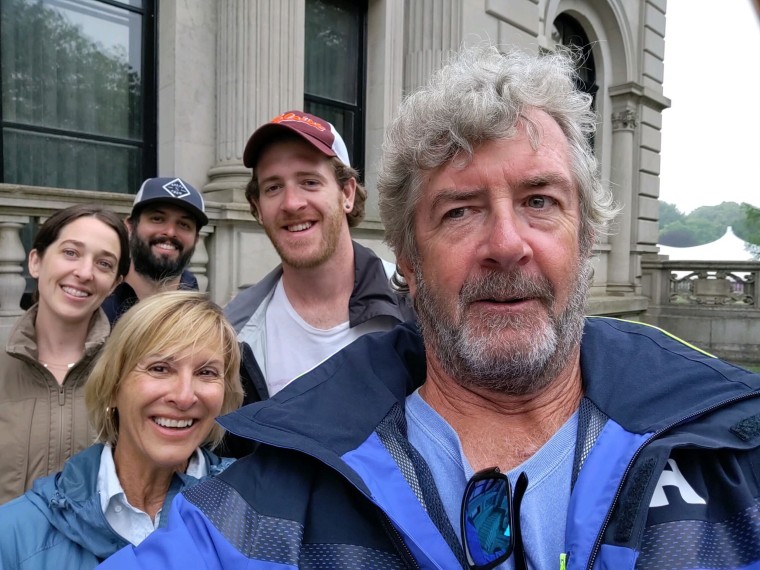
{"points": [[188, 541]]}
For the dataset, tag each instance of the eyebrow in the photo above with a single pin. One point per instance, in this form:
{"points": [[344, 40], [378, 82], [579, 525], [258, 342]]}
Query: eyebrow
{"points": [[449, 195], [547, 179], [83, 245]]}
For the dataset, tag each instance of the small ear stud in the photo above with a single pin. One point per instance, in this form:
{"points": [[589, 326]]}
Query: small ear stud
{"points": [[348, 206]]}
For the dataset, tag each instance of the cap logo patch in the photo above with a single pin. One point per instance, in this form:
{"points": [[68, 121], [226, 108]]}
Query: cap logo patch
{"points": [[298, 119], [176, 188]]}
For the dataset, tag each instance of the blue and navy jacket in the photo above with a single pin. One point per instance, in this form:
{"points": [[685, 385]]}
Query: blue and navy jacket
{"points": [[666, 473], [60, 524]]}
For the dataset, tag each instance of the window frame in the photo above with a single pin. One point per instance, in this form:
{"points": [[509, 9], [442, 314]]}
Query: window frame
{"points": [[357, 153], [149, 62]]}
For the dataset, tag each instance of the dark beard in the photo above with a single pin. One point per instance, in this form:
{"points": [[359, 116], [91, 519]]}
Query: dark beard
{"points": [[157, 268], [472, 354]]}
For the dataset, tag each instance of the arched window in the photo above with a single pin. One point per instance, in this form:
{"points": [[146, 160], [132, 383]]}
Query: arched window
{"points": [[568, 32]]}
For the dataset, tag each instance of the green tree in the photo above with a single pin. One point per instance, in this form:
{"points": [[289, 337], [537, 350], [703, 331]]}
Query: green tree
{"points": [[751, 229], [703, 225], [54, 75], [669, 213], [688, 233]]}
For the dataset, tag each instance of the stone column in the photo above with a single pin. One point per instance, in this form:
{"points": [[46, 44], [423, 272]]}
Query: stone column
{"points": [[260, 52], [620, 271], [12, 283], [199, 261], [434, 29]]}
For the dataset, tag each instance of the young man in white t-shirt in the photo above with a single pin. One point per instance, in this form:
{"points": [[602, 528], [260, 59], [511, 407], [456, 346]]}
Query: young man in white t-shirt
{"points": [[329, 290]]}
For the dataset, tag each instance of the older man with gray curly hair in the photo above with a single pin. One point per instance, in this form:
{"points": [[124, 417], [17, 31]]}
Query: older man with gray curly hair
{"points": [[510, 431]]}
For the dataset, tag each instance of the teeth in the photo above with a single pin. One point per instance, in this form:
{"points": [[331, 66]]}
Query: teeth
{"points": [[167, 422], [300, 227], [166, 245], [75, 292]]}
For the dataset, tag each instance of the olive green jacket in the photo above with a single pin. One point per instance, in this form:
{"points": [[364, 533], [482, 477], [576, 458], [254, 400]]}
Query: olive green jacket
{"points": [[42, 423]]}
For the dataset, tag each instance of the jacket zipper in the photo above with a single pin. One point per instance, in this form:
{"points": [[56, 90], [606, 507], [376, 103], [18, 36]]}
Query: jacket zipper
{"points": [[398, 542], [598, 543], [61, 410], [390, 529]]}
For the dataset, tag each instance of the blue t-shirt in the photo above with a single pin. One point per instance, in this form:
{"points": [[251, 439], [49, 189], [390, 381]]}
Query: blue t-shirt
{"points": [[549, 470]]}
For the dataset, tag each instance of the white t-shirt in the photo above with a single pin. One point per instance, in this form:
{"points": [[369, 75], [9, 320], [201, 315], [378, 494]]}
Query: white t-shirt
{"points": [[294, 346]]}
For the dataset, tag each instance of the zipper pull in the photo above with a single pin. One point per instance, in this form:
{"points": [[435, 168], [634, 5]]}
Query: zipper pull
{"points": [[61, 396], [563, 561]]}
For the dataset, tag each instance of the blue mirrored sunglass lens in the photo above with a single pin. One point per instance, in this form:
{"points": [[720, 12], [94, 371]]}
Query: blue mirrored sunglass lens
{"points": [[487, 521]]}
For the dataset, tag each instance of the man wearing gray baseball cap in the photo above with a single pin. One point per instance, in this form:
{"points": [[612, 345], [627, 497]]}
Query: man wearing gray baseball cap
{"points": [[164, 225]]}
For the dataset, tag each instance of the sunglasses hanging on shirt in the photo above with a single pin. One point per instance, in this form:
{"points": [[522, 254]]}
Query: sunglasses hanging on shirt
{"points": [[490, 520]]}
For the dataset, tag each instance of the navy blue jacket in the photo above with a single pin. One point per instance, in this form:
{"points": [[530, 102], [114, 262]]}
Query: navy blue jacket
{"points": [[334, 482], [124, 297]]}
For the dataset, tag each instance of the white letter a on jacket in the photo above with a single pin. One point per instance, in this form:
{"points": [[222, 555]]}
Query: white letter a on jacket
{"points": [[674, 478]]}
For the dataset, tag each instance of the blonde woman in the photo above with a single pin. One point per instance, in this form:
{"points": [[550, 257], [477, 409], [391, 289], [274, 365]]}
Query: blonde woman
{"points": [[169, 368]]}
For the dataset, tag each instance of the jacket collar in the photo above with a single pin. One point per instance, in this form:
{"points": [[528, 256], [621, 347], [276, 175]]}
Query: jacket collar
{"points": [[70, 501], [359, 385], [371, 297], [680, 382], [23, 338], [347, 396]]}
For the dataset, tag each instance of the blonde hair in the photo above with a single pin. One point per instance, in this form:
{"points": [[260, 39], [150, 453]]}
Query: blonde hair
{"points": [[173, 321]]}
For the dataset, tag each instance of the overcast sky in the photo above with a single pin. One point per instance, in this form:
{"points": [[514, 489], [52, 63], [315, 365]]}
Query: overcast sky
{"points": [[711, 133]]}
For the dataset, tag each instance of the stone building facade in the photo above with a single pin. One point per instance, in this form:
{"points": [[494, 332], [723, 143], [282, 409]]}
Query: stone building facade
{"points": [[224, 67]]}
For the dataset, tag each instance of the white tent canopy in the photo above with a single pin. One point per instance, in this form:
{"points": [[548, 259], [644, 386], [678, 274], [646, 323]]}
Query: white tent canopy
{"points": [[727, 248]]}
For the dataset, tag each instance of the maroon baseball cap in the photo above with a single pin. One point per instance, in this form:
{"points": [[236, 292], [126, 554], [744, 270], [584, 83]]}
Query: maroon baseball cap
{"points": [[318, 132]]}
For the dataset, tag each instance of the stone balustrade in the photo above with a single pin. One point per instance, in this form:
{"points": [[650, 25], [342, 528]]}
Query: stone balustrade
{"points": [[711, 304], [24, 205]]}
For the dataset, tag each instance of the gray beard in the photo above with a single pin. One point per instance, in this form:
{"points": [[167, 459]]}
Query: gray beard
{"points": [[471, 351]]}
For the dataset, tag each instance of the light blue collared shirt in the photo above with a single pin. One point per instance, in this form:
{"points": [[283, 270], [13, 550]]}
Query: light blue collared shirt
{"points": [[130, 523]]}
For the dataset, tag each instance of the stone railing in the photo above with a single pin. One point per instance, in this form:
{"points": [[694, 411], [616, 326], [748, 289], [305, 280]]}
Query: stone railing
{"points": [[711, 304], [21, 206]]}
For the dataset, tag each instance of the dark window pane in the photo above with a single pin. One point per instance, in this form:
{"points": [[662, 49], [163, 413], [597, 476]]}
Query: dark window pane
{"points": [[72, 66], [334, 68], [568, 32], [74, 94], [39, 159], [332, 50]]}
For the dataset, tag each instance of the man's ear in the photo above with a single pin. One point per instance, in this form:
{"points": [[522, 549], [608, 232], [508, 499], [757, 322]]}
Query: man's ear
{"points": [[34, 263], [255, 210], [407, 272], [128, 224], [349, 193]]}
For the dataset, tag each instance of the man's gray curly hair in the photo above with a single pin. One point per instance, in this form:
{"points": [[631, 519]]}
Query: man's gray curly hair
{"points": [[480, 95]]}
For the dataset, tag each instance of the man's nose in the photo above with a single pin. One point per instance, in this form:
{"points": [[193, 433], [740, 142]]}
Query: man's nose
{"points": [[169, 229], [504, 239], [293, 198]]}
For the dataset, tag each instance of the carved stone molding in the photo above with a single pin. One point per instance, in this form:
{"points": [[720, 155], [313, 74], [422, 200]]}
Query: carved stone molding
{"points": [[625, 120]]}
